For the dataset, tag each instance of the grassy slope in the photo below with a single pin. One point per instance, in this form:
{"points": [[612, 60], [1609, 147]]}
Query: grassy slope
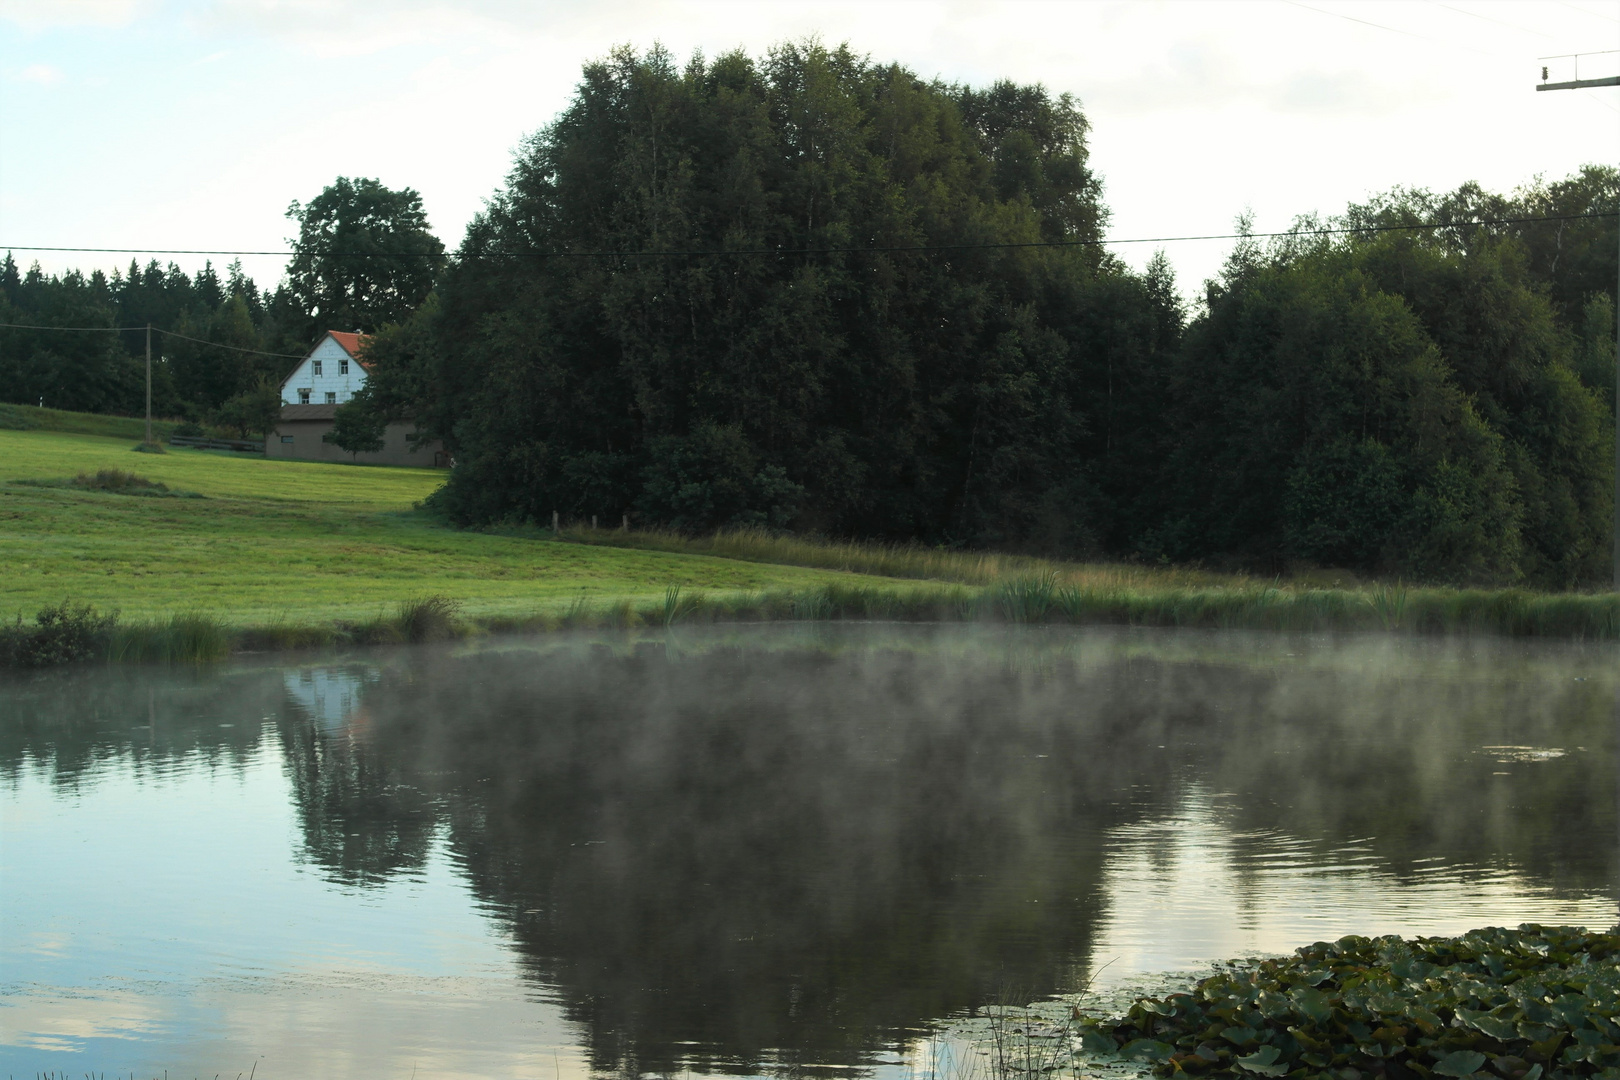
{"points": [[292, 541], [30, 418]]}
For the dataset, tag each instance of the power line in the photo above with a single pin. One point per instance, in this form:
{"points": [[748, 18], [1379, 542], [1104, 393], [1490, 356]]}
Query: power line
{"points": [[876, 249], [155, 330]]}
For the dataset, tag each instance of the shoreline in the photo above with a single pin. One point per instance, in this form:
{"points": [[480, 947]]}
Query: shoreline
{"points": [[81, 633]]}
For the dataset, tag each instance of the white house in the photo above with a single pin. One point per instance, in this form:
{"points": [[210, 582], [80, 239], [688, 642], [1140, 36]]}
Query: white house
{"points": [[330, 375]]}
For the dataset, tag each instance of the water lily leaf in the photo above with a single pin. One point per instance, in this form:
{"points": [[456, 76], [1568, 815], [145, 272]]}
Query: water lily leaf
{"points": [[1094, 1041], [1314, 1005], [1240, 1036], [1426, 1021], [1263, 1062], [1533, 1033], [1388, 1004], [1497, 1027], [1544, 1051], [1146, 1050], [1460, 1063], [1273, 1006], [1316, 978]]}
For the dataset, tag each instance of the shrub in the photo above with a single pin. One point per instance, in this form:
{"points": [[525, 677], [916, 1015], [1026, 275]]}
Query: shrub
{"points": [[116, 480], [63, 634]]}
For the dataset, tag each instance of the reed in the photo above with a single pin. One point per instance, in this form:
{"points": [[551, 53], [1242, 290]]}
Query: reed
{"points": [[68, 633], [916, 561], [190, 638]]}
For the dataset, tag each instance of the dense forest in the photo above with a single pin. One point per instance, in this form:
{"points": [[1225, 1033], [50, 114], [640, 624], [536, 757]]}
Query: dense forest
{"points": [[364, 258], [817, 293]]}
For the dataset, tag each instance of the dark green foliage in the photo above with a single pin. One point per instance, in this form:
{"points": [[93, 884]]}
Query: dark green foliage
{"points": [[65, 634], [1315, 419], [1535, 1003], [254, 411], [117, 480], [364, 256], [948, 396]]}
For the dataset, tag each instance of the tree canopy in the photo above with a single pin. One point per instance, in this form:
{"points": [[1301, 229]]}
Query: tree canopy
{"points": [[364, 256], [813, 292]]}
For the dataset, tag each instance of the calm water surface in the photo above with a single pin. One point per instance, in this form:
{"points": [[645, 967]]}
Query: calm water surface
{"points": [[753, 850]]}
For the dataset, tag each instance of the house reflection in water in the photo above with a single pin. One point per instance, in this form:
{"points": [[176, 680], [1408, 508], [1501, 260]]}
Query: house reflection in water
{"points": [[328, 696]]}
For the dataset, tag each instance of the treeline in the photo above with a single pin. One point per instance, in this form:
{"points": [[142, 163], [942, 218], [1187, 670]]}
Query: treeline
{"points": [[230, 343], [790, 293], [815, 293]]}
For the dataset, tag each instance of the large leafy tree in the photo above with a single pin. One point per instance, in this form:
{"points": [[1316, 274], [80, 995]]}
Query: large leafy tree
{"points": [[806, 365], [363, 257]]}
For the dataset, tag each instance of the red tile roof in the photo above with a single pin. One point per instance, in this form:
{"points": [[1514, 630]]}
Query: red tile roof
{"points": [[351, 344]]}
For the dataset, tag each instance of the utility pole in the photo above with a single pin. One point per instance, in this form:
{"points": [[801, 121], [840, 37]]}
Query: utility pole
{"points": [[1578, 83], [148, 384]]}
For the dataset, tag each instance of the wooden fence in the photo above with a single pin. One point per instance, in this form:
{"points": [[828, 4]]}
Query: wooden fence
{"points": [[241, 446]]}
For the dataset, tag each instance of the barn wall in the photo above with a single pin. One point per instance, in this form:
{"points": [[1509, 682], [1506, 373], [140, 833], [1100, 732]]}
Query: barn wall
{"points": [[301, 440]]}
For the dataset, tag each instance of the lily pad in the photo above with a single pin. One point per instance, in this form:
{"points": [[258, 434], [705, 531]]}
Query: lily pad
{"points": [[1263, 1062], [1460, 1063]]}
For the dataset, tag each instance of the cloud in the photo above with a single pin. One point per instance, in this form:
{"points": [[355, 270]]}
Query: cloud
{"points": [[43, 74], [35, 15]]}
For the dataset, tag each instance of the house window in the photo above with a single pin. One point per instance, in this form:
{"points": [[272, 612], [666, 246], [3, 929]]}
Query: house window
{"points": [[286, 438], [315, 366], [331, 397], [343, 367], [303, 396]]}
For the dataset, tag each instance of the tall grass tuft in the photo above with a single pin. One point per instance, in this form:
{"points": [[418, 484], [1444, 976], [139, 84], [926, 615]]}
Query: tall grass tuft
{"points": [[680, 604], [117, 480], [1028, 599], [889, 560], [187, 638], [428, 618]]}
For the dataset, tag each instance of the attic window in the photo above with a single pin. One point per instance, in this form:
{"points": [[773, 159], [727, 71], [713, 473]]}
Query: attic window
{"points": [[315, 365], [343, 367], [303, 397]]}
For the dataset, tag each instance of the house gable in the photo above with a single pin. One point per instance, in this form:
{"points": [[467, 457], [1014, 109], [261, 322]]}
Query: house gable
{"points": [[331, 374]]}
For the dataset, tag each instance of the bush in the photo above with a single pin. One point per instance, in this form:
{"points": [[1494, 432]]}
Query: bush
{"points": [[117, 480], [63, 634]]}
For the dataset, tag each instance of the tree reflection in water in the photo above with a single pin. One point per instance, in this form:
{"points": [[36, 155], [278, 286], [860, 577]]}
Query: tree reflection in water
{"points": [[730, 856], [756, 849]]}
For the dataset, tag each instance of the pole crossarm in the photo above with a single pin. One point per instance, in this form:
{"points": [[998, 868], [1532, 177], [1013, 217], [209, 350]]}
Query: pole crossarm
{"points": [[1581, 84]]}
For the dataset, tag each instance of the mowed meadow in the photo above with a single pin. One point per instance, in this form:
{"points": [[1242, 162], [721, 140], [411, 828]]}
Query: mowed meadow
{"points": [[291, 552], [257, 542]]}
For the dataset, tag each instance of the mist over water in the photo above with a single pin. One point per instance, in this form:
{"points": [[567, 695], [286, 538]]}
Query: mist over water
{"points": [[745, 850]]}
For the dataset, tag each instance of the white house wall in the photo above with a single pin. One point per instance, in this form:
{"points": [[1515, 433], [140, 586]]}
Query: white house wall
{"points": [[332, 379]]}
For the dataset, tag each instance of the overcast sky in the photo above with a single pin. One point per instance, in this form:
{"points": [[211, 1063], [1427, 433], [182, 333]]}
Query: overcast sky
{"points": [[158, 124]]}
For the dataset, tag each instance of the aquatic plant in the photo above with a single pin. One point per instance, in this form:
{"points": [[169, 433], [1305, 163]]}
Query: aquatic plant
{"points": [[1026, 599], [428, 618], [679, 604], [1536, 1003], [184, 638]]}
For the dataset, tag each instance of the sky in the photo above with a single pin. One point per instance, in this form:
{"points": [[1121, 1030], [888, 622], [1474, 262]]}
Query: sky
{"points": [[195, 123]]}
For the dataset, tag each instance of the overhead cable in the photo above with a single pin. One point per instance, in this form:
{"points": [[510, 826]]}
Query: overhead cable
{"points": [[874, 249], [153, 329]]}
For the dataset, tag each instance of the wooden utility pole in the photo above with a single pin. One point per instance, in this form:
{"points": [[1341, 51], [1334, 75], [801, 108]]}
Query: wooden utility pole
{"points": [[1578, 83], [148, 384]]}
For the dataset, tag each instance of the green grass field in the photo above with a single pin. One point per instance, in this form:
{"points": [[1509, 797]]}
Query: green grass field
{"points": [[294, 542], [290, 550]]}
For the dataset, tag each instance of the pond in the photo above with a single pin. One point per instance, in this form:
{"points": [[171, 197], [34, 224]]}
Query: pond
{"points": [[753, 850]]}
